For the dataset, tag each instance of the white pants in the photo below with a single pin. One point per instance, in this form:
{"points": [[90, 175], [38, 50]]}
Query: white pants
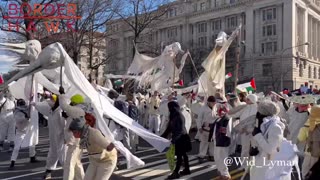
{"points": [[57, 152], [220, 154], [17, 144], [245, 145], [154, 123], [73, 169], [100, 171], [7, 129], [307, 164], [205, 145]]}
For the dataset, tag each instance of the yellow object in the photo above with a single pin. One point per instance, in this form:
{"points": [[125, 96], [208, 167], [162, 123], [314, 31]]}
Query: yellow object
{"points": [[314, 117], [77, 99], [54, 97], [170, 154]]}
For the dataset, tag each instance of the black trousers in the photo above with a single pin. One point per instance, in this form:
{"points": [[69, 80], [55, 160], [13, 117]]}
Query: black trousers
{"points": [[181, 156]]}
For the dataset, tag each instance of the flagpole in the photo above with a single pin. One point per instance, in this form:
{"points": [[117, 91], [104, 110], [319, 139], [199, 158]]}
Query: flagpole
{"points": [[236, 74], [194, 66]]}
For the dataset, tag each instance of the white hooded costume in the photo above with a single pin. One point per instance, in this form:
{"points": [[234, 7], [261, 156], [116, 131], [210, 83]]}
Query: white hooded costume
{"points": [[244, 114], [207, 116], [56, 125], [7, 123]]}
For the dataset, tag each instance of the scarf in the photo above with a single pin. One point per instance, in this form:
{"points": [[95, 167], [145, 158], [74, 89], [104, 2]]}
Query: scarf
{"points": [[84, 140]]}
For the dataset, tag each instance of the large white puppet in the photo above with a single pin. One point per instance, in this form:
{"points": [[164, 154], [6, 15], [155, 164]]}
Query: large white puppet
{"points": [[159, 72], [49, 62]]}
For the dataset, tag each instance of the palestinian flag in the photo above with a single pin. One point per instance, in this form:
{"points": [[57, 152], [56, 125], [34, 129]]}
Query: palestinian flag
{"points": [[247, 87], [229, 75]]}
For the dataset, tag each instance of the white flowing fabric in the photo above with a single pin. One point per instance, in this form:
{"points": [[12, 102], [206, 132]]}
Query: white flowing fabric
{"points": [[78, 80], [215, 66], [74, 82], [160, 71]]}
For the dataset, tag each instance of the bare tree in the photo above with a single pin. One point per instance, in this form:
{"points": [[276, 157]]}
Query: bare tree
{"points": [[139, 15]]}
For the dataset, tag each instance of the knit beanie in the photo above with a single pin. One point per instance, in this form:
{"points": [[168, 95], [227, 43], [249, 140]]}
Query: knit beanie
{"points": [[77, 99], [77, 124], [253, 98], [268, 108]]}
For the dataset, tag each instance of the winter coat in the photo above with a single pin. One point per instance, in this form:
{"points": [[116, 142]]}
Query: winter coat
{"points": [[268, 142], [297, 121], [22, 118], [8, 107], [222, 131], [97, 147], [177, 128], [72, 113]]}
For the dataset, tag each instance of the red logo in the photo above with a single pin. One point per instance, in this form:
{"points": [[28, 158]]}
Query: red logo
{"points": [[51, 14]]}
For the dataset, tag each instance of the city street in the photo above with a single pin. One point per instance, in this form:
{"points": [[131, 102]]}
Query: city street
{"points": [[156, 167]]}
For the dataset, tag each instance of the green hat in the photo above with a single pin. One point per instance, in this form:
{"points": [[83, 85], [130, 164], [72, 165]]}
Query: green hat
{"points": [[77, 99]]}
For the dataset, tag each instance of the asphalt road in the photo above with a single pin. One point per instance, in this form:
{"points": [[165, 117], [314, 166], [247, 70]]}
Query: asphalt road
{"points": [[156, 167]]}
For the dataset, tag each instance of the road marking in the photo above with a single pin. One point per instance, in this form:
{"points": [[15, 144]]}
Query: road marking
{"points": [[192, 168], [39, 172], [120, 172], [235, 171]]}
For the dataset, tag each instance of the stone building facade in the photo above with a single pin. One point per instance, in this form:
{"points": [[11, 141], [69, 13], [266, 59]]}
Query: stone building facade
{"points": [[270, 31]]}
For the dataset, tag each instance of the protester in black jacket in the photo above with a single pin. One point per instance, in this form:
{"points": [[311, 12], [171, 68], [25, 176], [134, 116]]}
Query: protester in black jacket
{"points": [[180, 139]]}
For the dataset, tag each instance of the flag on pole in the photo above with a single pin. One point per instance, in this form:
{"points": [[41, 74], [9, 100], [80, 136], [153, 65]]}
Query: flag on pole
{"points": [[229, 75], [247, 87], [179, 83]]}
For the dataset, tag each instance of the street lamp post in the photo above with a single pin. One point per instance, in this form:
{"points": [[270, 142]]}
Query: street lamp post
{"points": [[251, 56], [281, 63]]}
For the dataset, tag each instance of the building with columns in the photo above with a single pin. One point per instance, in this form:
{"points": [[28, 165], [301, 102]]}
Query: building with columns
{"points": [[273, 39]]}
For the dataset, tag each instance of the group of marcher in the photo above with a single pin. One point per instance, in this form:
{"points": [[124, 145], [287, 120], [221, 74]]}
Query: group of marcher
{"points": [[256, 123]]}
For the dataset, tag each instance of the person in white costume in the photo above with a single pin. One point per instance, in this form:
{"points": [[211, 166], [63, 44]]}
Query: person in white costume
{"points": [[196, 110], [72, 168], [154, 114], [56, 126], [207, 117], [7, 123], [268, 133], [22, 119], [222, 139], [249, 110]]}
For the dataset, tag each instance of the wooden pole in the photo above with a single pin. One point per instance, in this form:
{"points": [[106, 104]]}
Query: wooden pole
{"points": [[237, 61]]}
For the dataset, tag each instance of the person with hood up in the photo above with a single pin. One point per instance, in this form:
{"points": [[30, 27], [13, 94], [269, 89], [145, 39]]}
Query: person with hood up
{"points": [[7, 123], [56, 126], [207, 117], [299, 117], [309, 128], [72, 168], [22, 121], [268, 134], [222, 139], [245, 112], [180, 139], [101, 151]]}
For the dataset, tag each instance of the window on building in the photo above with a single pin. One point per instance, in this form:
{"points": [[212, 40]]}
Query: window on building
{"points": [[269, 14], [269, 47], [301, 70], [202, 6], [216, 25], [195, 7], [309, 72], [315, 73], [232, 22], [319, 73], [267, 69], [202, 27], [172, 32], [232, 1], [269, 30], [202, 41], [172, 12]]}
